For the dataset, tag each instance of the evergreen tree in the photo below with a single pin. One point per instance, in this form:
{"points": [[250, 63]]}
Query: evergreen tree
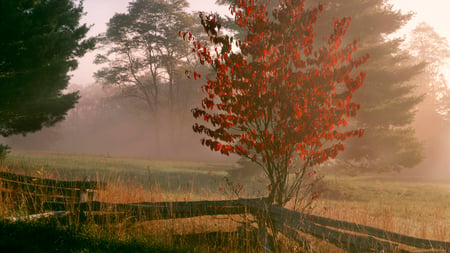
{"points": [[40, 41], [388, 99]]}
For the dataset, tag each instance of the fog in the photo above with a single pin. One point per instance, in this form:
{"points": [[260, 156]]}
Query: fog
{"points": [[106, 123], [434, 132], [103, 122]]}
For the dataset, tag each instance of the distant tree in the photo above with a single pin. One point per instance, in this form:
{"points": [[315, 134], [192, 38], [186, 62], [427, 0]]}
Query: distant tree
{"points": [[145, 54], [428, 46], [388, 98], [40, 42], [146, 59], [433, 114], [274, 96]]}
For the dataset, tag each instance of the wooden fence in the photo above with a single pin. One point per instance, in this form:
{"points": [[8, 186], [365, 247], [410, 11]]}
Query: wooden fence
{"points": [[35, 191], [349, 236]]}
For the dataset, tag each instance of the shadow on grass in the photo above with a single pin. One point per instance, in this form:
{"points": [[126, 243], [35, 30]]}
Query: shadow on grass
{"points": [[48, 237], [221, 241]]}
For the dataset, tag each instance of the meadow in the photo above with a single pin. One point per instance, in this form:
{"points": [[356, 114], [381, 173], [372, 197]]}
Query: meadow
{"points": [[411, 207]]}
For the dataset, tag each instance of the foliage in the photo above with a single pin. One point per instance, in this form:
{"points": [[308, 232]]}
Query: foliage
{"points": [[275, 96], [144, 51], [40, 43], [144, 58], [388, 98]]}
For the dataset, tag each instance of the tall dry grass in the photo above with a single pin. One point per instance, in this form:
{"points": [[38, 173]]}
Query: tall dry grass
{"points": [[412, 208], [199, 234], [419, 221]]}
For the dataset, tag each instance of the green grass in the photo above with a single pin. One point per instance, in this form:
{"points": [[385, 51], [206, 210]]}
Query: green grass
{"points": [[169, 175], [87, 163]]}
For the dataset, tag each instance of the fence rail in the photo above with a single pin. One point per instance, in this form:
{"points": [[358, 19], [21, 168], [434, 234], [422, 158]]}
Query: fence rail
{"points": [[363, 238], [51, 182], [349, 236], [34, 191], [157, 210]]}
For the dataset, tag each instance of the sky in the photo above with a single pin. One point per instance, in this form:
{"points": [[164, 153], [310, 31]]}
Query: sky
{"points": [[434, 12], [98, 13]]}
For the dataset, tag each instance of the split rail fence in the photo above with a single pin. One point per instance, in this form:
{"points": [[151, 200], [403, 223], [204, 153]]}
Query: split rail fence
{"points": [[65, 198], [33, 192]]}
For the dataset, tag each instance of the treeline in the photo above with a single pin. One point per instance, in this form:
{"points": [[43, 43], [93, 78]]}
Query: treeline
{"points": [[148, 96]]}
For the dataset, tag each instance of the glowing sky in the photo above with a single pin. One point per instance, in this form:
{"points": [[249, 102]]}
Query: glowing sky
{"points": [[434, 12], [98, 12]]}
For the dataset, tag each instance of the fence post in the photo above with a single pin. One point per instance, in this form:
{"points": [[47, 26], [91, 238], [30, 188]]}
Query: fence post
{"points": [[264, 238], [83, 199], [268, 241]]}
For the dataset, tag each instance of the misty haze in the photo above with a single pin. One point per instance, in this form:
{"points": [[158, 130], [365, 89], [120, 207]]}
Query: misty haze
{"points": [[224, 126]]}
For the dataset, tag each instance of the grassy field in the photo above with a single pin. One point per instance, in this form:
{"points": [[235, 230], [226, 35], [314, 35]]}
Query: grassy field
{"points": [[172, 177], [419, 209], [414, 208]]}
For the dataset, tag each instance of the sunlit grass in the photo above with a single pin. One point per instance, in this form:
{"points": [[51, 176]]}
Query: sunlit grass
{"points": [[198, 234], [87, 163], [420, 209], [410, 208], [171, 176]]}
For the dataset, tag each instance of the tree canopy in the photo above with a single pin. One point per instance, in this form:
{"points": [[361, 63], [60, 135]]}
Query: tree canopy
{"points": [[389, 97], [144, 52], [40, 42], [275, 97]]}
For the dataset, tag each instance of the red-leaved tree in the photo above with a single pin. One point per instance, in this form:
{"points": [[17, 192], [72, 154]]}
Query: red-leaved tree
{"points": [[274, 96]]}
